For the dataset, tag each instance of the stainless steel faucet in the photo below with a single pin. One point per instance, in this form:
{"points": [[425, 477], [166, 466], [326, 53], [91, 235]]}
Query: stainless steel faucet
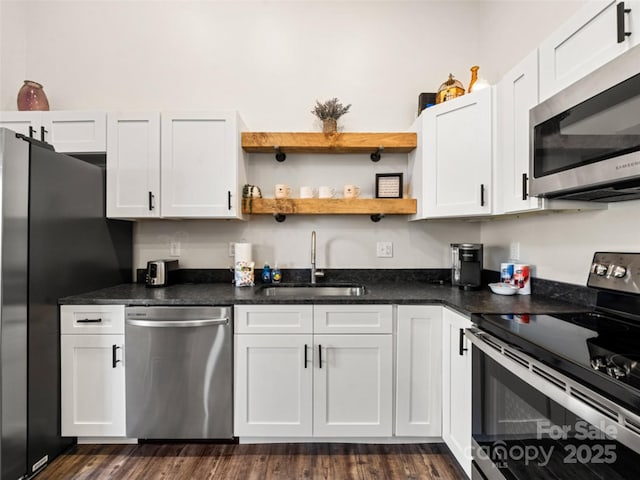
{"points": [[314, 273]]}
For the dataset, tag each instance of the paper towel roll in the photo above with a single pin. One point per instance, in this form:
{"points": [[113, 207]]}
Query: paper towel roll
{"points": [[243, 252]]}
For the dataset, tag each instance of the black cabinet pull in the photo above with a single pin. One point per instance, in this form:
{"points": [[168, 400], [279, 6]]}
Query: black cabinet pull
{"points": [[229, 198], [151, 205], [524, 186], [621, 11], [42, 132], [89, 320], [114, 360], [305, 355], [320, 356], [482, 194], [462, 349], [32, 131]]}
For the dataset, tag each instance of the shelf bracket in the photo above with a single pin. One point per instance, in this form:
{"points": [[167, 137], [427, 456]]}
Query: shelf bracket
{"points": [[375, 156], [279, 217], [377, 217], [280, 155]]}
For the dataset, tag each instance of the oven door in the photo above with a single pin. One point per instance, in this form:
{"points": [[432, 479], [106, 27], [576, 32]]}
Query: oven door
{"points": [[530, 421]]}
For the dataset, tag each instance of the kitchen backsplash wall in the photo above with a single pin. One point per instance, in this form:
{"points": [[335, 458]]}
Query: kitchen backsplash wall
{"points": [[342, 242], [561, 246]]}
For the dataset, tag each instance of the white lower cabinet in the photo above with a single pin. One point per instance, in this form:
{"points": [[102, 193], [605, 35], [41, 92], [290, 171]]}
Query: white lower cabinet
{"points": [[352, 393], [302, 384], [456, 387], [92, 371], [273, 385], [419, 371]]}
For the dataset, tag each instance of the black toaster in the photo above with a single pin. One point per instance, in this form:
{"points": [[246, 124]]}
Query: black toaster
{"points": [[161, 273]]}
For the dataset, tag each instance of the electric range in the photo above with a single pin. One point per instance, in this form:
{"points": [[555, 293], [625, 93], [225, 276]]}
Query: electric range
{"points": [[542, 381]]}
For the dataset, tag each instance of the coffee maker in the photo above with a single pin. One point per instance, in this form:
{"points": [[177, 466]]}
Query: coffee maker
{"points": [[466, 265]]}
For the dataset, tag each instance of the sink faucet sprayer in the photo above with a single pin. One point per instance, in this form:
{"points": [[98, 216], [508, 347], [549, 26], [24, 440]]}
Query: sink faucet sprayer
{"points": [[314, 272]]}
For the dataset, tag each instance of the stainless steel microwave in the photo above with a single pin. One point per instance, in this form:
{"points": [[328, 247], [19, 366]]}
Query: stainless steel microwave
{"points": [[585, 140]]}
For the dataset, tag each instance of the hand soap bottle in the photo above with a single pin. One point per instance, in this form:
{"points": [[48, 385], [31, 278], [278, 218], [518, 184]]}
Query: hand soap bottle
{"points": [[276, 274], [266, 273]]}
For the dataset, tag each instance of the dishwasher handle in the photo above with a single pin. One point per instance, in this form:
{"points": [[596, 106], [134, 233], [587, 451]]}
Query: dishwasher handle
{"points": [[201, 322]]}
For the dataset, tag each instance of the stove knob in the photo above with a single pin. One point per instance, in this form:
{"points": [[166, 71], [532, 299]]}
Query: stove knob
{"points": [[616, 372], [599, 269], [618, 271], [598, 363]]}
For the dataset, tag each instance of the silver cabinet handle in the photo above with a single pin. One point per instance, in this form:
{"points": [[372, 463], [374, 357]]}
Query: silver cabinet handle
{"points": [[204, 322]]}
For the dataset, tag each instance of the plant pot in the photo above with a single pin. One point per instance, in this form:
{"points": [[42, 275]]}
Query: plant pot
{"points": [[31, 96], [330, 125]]}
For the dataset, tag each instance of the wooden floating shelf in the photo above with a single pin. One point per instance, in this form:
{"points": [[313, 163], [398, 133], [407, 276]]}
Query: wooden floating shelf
{"points": [[331, 206], [346, 142]]}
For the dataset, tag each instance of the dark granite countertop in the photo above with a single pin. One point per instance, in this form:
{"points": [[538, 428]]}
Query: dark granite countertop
{"points": [[378, 292]]}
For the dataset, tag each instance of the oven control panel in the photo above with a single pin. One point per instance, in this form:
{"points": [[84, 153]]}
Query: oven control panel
{"points": [[615, 271]]}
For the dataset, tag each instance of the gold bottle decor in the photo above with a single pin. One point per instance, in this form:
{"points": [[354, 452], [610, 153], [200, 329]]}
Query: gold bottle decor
{"points": [[474, 76], [449, 90]]}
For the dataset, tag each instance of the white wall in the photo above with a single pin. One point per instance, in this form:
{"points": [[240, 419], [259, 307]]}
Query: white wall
{"points": [[271, 60]]}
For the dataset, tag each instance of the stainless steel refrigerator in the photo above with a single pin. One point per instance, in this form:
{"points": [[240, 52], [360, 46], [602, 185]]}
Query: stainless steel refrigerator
{"points": [[54, 241]]}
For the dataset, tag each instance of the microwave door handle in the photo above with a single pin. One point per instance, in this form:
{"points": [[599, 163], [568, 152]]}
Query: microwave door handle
{"points": [[622, 34]]}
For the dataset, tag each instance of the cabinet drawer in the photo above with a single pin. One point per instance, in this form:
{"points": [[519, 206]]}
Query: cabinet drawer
{"points": [[273, 319], [353, 319], [91, 319]]}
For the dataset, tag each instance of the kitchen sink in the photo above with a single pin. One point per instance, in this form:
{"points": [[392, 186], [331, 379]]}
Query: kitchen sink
{"points": [[313, 290]]}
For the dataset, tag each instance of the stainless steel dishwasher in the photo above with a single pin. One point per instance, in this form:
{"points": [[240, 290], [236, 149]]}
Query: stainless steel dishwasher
{"points": [[179, 372]]}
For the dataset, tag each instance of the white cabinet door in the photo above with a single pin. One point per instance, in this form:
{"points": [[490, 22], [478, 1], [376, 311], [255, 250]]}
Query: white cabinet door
{"points": [[93, 387], [26, 123], [456, 387], [200, 165], [458, 155], [76, 132], [516, 94], [273, 385], [587, 41], [67, 131], [419, 371], [353, 389], [133, 165]]}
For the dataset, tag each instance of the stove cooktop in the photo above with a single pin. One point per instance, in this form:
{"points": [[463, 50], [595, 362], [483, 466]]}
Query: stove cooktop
{"points": [[599, 348]]}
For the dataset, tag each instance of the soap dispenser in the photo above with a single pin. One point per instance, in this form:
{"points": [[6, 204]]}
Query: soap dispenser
{"points": [[266, 273]]}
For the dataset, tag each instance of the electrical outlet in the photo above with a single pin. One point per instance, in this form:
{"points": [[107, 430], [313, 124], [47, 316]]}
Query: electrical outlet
{"points": [[514, 251], [384, 249], [232, 249], [174, 249]]}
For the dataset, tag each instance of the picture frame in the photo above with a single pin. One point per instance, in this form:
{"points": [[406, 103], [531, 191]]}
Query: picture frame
{"points": [[389, 185]]}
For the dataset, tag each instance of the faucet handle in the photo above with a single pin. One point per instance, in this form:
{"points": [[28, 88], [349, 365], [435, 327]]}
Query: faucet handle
{"points": [[319, 273]]}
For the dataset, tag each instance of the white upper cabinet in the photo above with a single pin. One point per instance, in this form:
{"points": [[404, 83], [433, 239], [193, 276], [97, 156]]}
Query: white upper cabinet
{"points": [[516, 94], [451, 169], [176, 165], [67, 131], [587, 41], [133, 165], [201, 175]]}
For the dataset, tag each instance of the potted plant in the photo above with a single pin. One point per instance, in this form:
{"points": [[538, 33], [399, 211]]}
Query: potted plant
{"points": [[329, 112]]}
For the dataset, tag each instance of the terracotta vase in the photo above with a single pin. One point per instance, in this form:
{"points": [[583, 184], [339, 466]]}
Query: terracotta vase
{"points": [[32, 97], [330, 125]]}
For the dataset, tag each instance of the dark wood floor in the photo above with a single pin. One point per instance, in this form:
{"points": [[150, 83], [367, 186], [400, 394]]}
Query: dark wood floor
{"points": [[247, 462]]}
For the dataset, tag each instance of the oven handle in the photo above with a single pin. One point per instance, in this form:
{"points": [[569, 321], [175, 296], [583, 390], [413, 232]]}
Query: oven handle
{"points": [[203, 322], [567, 392]]}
